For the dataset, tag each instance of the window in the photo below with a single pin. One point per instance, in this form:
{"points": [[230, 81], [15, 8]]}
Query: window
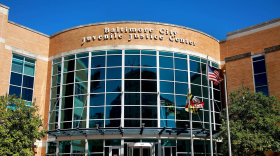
{"points": [[22, 77], [260, 77]]}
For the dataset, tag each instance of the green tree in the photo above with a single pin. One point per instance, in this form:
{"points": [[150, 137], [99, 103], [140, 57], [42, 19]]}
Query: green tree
{"points": [[19, 126], [254, 123]]}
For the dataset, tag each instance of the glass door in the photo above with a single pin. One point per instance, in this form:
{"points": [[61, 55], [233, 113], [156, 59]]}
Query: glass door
{"points": [[135, 150], [169, 151], [114, 151]]}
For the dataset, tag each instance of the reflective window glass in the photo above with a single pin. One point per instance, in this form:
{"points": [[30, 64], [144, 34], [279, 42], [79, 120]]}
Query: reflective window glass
{"points": [[166, 62], [66, 125], [195, 66], [115, 60], [57, 60], [114, 73], [148, 52], [113, 86], [205, 92], [97, 99], [149, 86], [264, 90], [166, 74], [259, 67], [150, 123], [166, 53], [54, 104], [167, 112], [80, 101], [98, 61], [149, 99], [180, 55], [166, 100], [181, 76], [149, 73], [17, 66], [181, 114], [80, 114], [97, 86], [27, 94], [132, 85], [132, 99], [114, 52], [149, 112], [166, 87], [132, 73], [148, 61], [55, 92], [132, 112], [96, 113], [51, 147], [196, 90], [97, 74], [29, 69], [82, 55], [16, 79], [28, 81], [132, 60], [181, 64], [66, 115], [69, 66], [204, 80], [70, 57], [64, 146], [113, 112], [260, 79], [56, 69], [195, 78], [95, 145], [67, 102], [81, 88], [113, 99], [56, 80], [81, 75], [181, 101], [181, 88], [67, 90], [18, 57], [68, 77], [183, 146], [194, 58], [82, 63], [112, 123], [53, 117], [132, 52], [92, 124], [258, 58], [167, 123], [131, 123], [15, 91], [203, 68], [98, 53], [78, 146]]}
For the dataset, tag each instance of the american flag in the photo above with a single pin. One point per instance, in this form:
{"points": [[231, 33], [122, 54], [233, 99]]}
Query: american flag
{"points": [[214, 75]]}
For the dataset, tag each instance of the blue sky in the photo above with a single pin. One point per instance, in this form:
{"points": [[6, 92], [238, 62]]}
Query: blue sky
{"points": [[216, 17]]}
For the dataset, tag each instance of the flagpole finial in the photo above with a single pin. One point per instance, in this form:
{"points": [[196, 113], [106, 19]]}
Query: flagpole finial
{"points": [[224, 71]]}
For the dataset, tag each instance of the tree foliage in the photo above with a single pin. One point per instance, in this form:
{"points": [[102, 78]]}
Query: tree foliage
{"points": [[254, 123], [19, 126]]}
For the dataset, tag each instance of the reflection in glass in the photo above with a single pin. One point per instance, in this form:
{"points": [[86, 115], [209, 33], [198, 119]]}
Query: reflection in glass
{"points": [[181, 76], [115, 60], [181, 101], [166, 62], [166, 87], [17, 66], [15, 90], [260, 79], [55, 92], [97, 99], [132, 52], [166, 100], [29, 69], [67, 102], [64, 146], [27, 94], [149, 73], [203, 68], [82, 63], [150, 123], [96, 113], [112, 123], [181, 88], [264, 90], [149, 86], [181, 64], [167, 112], [16, 79], [131, 123], [56, 69], [98, 62], [97, 86], [149, 112], [113, 86], [167, 123], [132, 112], [196, 90], [69, 57], [54, 104], [66, 115], [166, 74], [28, 81], [78, 146], [132, 99], [80, 114], [68, 77], [149, 99], [82, 55], [67, 90], [113, 112], [132, 85], [114, 52], [148, 61], [69, 66], [195, 78], [97, 74], [114, 73], [204, 80], [194, 58], [81, 75], [148, 52], [195, 66], [80, 101], [56, 80], [92, 124], [66, 125], [132, 73], [113, 99], [132, 60], [181, 114], [81, 88], [95, 145]]}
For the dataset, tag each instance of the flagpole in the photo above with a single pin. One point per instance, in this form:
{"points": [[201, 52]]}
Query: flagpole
{"points": [[191, 126], [229, 142], [209, 105]]}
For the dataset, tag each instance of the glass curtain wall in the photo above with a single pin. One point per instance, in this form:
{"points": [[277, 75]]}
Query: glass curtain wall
{"points": [[150, 87]]}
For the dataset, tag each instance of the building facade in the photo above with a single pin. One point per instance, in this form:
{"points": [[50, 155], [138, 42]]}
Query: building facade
{"points": [[120, 88]]}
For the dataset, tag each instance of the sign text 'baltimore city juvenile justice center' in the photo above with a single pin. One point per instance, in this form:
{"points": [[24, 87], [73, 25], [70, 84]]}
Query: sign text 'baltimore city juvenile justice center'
{"points": [[136, 34]]}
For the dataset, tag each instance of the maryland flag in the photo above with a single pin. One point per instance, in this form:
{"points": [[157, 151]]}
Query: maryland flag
{"points": [[195, 104]]}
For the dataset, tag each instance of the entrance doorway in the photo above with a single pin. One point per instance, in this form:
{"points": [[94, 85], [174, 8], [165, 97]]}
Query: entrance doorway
{"points": [[114, 151], [141, 149], [169, 151]]}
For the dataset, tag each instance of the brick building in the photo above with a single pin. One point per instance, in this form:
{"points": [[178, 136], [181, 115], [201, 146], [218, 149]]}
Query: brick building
{"points": [[119, 88]]}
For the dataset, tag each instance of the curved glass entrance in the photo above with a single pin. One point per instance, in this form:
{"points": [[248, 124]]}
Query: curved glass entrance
{"points": [[141, 149]]}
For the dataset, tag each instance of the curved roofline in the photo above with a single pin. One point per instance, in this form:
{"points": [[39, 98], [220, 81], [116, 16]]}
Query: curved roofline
{"points": [[139, 22]]}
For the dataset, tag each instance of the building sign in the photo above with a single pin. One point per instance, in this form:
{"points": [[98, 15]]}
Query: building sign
{"points": [[138, 34]]}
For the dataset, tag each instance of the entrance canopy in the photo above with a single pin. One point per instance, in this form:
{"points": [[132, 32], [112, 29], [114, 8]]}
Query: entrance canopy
{"points": [[131, 131]]}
